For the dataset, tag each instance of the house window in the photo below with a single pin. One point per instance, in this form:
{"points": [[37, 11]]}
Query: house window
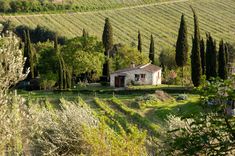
{"points": [[142, 76], [137, 77]]}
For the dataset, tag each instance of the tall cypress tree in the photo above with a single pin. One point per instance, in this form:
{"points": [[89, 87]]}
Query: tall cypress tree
{"points": [[61, 73], [222, 66], [64, 73], [84, 33], [211, 58], [202, 54], [139, 42], [107, 36], [151, 50], [107, 39], [31, 56], [26, 54], [214, 60], [181, 56], [195, 56], [226, 53], [209, 44]]}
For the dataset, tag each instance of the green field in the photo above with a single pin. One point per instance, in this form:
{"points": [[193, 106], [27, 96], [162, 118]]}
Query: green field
{"points": [[161, 19]]}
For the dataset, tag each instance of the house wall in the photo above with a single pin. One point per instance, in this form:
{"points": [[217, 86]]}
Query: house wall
{"points": [[157, 77], [150, 78]]}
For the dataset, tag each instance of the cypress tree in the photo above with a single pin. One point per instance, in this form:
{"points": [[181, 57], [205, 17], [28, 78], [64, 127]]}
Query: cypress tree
{"points": [[69, 78], [226, 53], [84, 33], [64, 73], [61, 80], [107, 39], [151, 50], [139, 42], [107, 36], [56, 44], [31, 54], [26, 54], [222, 66], [214, 60], [211, 58], [181, 56], [202, 54], [209, 44], [60, 73], [195, 56]]}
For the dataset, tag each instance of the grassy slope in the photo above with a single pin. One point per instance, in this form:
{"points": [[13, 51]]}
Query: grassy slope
{"points": [[161, 19]]}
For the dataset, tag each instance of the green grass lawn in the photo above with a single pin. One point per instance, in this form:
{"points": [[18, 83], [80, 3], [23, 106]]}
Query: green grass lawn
{"points": [[159, 111]]}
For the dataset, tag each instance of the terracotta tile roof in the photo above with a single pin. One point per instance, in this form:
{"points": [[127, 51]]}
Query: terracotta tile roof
{"points": [[147, 67]]}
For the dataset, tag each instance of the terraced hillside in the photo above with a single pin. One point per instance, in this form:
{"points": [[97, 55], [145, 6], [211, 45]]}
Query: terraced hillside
{"points": [[102, 4], [160, 19]]}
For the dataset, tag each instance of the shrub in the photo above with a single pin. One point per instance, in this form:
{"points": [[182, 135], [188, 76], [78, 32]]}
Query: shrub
{"points": [[182, 97]]}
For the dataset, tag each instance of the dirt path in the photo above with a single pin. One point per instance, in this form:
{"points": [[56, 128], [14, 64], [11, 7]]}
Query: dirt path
{"points": [[89, 12]]}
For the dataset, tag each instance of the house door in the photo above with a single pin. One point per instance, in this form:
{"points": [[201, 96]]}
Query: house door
{"points": [[119, 81]]}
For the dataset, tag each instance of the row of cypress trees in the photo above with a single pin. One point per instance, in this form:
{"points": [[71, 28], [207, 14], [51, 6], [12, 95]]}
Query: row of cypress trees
{"points": [[151, 47], [201, 62], [64, 74]]}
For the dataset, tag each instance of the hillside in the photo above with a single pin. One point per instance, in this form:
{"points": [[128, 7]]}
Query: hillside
{"points": [[110, 3], [161, 19]]}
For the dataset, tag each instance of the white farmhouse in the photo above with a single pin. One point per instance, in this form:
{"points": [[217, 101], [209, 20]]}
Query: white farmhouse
{"points": [[147, 74]]}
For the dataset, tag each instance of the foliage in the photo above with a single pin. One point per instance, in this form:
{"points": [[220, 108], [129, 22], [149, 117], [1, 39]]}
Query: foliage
{"points": [[211, 132], [211, 58], [126, 56], [152, 50], [11, 72], [107, 37], [47, 65], [171, 77], [231, 52], [196, 71], [167, 59], [181, 56], [139, 42], [25, 6], [84, 55], [7, 26], [11, 65], [107, 40], [30, 54], [202, 55], [38, 34], [222, 61]]}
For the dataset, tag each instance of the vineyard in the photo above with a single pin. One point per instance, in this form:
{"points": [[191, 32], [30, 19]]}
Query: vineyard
{"points": [[106, 4], [161, 19], [120, 112]]}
